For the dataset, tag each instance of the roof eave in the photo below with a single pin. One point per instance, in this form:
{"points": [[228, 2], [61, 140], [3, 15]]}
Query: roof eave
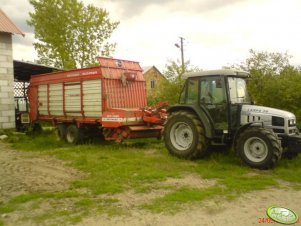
{"points": [[8, 25], [14, 33]]}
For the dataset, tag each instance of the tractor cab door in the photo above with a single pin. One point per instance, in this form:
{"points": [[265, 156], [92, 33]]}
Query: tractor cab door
{"points": [[213, 99]]}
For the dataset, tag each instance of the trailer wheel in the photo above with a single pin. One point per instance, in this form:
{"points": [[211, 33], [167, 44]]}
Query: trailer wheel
{"points": [[61, 132], [37, 128], [259, 148], [34, 128], [184, 136], [74, 135]]}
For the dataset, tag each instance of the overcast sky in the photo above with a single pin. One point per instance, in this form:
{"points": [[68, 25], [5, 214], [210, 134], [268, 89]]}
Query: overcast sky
{"points": [[216, 32]]}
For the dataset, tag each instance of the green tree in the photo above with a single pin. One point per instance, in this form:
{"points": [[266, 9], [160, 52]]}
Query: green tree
{"points": [[170, 89], [264, 67], [266, 62], [274, 81], [70, 34]]}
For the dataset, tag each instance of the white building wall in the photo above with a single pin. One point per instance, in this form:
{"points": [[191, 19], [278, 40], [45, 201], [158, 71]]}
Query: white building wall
{"points": [[7, 104]]}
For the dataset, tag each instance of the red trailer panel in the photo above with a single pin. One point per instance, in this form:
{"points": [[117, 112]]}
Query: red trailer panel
{"points": [[112, 95], [132, 95]]}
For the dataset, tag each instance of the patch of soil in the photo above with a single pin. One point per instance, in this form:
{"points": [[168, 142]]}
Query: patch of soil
{"points": [[23, 172], [131, 199], [248, 209], [191, 181]]}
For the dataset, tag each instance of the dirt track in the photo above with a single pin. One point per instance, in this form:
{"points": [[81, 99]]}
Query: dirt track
{"points": [[23, 172], [250, 209]]}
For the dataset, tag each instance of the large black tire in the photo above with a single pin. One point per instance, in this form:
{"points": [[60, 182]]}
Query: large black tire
{"points": [[74, 135], [184, 136], [61, 131], [259, 148]]}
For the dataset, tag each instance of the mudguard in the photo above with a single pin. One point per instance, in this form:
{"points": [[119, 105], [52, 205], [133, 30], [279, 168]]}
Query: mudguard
{"points": [[200, 112]]}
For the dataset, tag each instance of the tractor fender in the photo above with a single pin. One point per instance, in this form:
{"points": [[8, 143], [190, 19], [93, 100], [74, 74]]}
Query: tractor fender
{"points": [[243, 128], [198, 111]]}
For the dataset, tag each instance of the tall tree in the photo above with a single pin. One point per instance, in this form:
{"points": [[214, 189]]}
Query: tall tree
{"points": [[264, 68], [274, 82], [70, 34], [270, 63]]}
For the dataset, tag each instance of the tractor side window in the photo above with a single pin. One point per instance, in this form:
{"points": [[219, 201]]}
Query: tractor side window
{"points": [[192, 92], [238, 90], [212, 91]]}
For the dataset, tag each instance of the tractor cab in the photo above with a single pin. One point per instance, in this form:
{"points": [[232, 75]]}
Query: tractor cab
{"points": [[220, 94]]}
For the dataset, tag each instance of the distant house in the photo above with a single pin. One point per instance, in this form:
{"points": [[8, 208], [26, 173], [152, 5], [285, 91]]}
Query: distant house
{"points": [[153, 78]]}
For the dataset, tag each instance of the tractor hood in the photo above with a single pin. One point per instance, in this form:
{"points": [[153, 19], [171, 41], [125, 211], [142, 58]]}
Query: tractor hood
{"points": [[260, 110]]}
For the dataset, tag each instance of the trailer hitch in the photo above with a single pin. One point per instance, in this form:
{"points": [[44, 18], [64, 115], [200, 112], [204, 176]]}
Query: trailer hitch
{"points": [[156, 115]]}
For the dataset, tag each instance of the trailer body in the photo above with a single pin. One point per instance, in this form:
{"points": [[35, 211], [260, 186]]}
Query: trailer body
{"points": [[111, 97]]}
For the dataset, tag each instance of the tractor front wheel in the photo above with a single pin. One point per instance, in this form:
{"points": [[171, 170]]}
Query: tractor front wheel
{"points": [[184, 135], [259, 148]]}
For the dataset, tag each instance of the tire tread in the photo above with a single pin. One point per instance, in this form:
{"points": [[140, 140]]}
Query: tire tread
{"points": [[275, 142], [202, 142]]}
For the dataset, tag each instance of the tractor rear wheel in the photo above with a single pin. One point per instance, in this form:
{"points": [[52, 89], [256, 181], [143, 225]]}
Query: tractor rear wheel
{"points": [[259, 147], [184, 135], [74, 135]]}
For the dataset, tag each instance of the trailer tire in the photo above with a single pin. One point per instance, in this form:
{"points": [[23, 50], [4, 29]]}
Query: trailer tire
{"points": [[74, 135], [259, 148], [184, 136], [61, 132], [34, 128]]}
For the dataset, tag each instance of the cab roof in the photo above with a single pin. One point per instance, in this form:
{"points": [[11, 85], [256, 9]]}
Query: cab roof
{"points": [[222, 72]]}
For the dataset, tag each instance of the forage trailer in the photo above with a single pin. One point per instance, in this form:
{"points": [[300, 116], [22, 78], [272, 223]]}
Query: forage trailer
{"points": [[109, 99]]}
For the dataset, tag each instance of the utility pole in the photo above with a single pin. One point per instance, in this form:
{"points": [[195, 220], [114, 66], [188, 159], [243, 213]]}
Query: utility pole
{"points": [[181, 47]]}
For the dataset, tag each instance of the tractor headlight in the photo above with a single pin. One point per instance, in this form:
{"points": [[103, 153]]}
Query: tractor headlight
{"points": [[291, 122]]}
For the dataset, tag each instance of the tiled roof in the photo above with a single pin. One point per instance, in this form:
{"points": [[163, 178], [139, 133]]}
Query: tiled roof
{"points": [[6, 25]]}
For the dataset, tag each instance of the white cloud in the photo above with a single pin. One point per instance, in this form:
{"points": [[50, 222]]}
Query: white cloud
{"points": [[23, 49], [216, 32], [214, 38]]}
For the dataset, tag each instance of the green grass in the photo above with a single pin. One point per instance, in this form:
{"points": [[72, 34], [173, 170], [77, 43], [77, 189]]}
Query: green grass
{"points": [[140, 165], [15, 202], [174, 200]]}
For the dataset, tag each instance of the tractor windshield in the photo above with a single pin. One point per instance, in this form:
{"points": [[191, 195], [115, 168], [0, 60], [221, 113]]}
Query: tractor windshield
{"points": [[238, 90]]}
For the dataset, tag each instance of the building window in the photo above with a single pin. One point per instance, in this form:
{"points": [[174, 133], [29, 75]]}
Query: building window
{"points": [[153, 84]]}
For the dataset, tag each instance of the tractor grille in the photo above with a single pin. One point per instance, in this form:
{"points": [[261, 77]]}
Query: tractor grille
{"points": [[291, 131], [279, 130], [277, 121]]}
